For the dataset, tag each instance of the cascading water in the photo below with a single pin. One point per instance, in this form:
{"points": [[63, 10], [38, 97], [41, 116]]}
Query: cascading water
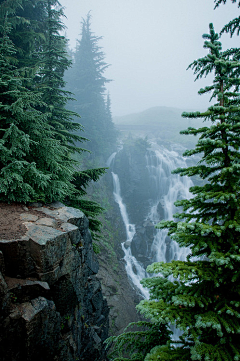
{"points": [[134, 269], [169, 188]]}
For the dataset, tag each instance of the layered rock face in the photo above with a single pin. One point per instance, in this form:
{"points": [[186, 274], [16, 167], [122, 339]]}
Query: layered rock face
{"points": [[52, 307]]}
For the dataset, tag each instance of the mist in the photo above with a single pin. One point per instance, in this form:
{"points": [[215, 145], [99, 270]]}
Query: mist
{"points": [[149, 45]]}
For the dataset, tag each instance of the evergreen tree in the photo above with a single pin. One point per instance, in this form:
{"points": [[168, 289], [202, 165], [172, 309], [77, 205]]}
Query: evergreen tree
{"points": [[87, 82], [54, 62], [234, 25], [51, 83], [27, 19], [203, 299], [135, 345], [44, 64], [33, 164]]}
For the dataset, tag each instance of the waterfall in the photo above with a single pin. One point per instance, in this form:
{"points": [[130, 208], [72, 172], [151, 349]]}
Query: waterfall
{"points": [[110, 159], [134, 269], [169, 188]]}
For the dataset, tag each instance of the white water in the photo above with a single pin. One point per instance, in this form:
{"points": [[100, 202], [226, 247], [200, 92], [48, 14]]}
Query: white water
{"points": [[110, 159], [168, 188], [134, 269]]}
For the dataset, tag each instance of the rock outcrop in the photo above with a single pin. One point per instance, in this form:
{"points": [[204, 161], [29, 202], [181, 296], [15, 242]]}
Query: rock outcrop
{"points": [[52, 307]]}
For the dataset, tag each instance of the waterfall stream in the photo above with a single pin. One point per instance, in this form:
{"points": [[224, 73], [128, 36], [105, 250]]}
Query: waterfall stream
{"points": [[167, 188], [134, 269]]}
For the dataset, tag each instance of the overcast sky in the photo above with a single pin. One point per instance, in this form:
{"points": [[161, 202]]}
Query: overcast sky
{"points": [[149, 44]]}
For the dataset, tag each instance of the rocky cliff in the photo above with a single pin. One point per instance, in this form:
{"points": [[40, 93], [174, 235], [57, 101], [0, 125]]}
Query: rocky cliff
{"points": [[120, 293], [52, 307]]}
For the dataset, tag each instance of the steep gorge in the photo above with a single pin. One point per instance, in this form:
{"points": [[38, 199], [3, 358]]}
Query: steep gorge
{"points": [[141, 170]]}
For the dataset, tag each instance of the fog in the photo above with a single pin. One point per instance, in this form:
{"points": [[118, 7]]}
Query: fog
{"points": [[149, 44]]}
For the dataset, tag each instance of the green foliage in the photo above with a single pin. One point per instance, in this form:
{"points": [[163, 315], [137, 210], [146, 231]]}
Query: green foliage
{"points": [[234, 25], [27, 19], [90, 208], [49, 78], [218, 2], [202, 302], [201, 295], [135, 345], [38, 135], [86, 80], [32, 162], [140, 144]]}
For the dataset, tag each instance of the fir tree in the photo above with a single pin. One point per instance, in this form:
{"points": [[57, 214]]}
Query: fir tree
{"points": [[234, 25], [203, 299], [27, 19], [87, 82], [33, 164], [135, 345], [52, 85], [41, 59], [54, 62]]}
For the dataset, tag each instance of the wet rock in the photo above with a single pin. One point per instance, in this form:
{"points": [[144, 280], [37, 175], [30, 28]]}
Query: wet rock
{"points": [[52, 303], [127, 244], [160, 209], [33, 328], [142, 241], [23, 290]]}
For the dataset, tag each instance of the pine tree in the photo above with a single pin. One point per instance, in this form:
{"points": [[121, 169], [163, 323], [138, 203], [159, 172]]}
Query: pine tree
{"points": [[27, 19], [234, 25], [204, 300], [135, 345], [201, 296], [87, 82], [54, 62], [41, 50], [51, 83], [33, 164]]}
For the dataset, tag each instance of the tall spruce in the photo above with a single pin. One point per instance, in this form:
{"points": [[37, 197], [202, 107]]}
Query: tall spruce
{"points": [[51, 83], [201, 295], [135, 345], [40, 59], [33, 163], [49, 79], [27, 19], [233, 25], [86, 80]]}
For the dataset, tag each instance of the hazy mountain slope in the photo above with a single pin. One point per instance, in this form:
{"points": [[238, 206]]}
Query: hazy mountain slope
{"points": [[159, 122]]}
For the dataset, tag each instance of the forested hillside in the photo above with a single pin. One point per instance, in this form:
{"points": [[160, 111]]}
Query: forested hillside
{"points": [[59, 143]]}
